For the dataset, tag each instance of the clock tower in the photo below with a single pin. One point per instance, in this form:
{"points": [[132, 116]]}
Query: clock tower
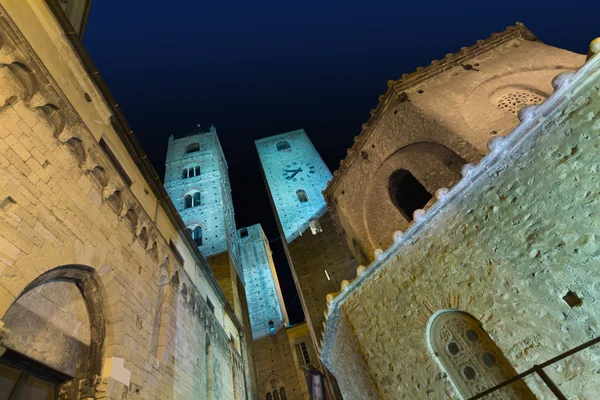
{"points": [[296, 176]]}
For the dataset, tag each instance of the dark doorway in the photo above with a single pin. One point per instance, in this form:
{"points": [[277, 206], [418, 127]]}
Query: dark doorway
{"points": [[407, 193]]}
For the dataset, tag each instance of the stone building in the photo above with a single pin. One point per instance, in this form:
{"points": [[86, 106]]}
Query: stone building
{"points": [[103, 292], [197, 181], [295, 176], [496, 274], [430, 123], [282, 353]]}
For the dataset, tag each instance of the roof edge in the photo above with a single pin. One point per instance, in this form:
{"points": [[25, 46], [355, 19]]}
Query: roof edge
{"points": [[421, 74]]}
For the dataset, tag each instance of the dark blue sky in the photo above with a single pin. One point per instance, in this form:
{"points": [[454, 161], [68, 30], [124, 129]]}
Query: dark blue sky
{"points": [[255, 69]]}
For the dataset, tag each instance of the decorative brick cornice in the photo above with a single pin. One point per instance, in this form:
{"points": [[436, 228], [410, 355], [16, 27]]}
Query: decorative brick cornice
{"points": [[398, 88]]}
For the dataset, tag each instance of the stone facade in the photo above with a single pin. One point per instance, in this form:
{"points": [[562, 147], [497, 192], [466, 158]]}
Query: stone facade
{"points": [[265, 301], [279, 364], [99, 280], [429, 124], [316, 251], [511, 246]]}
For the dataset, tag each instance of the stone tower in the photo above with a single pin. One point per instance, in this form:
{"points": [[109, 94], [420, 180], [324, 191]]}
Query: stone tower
{"points": [[197, 181], [265, 302], [296, 175], [282, 353]]}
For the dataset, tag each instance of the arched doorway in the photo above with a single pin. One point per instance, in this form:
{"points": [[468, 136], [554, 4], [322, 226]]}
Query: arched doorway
{"points": [[54, 336]]}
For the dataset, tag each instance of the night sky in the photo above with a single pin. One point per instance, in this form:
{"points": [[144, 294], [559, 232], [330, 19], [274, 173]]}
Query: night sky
{"points": [[256, 69]]}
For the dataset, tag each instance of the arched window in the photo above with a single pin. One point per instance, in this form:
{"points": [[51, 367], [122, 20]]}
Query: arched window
{"points": [[276, 395], [190, 172], [302, 196], [470, 357], [196, 234], [282, 394], [283, 145], [192, 200], [269, 396], [191, 148], [271, 327], [407, 193]]}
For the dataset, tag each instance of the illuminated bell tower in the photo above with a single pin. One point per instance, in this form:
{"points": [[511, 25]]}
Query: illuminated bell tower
{"points": [[265, 301], [296, 176], [196, 179]]}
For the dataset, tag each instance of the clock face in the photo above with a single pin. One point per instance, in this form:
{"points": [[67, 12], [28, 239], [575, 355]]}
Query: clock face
{"points": [[298, 171]]}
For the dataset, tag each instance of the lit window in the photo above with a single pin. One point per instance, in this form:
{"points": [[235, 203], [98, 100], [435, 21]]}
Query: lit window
{"points": [[315, 227]]}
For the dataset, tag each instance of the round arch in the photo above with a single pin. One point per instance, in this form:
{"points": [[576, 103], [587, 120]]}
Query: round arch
{"points": [[431, 164], [87, 282]]}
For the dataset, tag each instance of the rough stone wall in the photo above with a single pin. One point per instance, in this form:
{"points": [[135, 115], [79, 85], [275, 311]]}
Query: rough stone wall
{"points": [[211, 214], [67, 215], [298, 334], [506, 244], [432, 122], [311, 255], [53, 312], [275, 361], [262, 286], [306, 171]]}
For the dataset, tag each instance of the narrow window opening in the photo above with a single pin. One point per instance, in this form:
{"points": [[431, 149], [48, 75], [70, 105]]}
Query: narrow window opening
{"points": [[271, 327], [197, 236], [302, 197], [191, 148], [315, 227], [407, 193], [283, 145], [185, 174], [210, 305], [187, 201], [244, 233]]}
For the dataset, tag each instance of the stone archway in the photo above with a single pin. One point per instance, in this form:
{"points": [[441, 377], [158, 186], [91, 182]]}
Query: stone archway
{"points": [[57, 321], [432, 164]]}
